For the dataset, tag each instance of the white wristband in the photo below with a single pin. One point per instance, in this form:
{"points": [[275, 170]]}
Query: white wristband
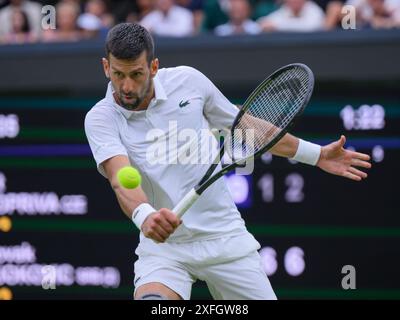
{"points": [[141, 213], [307, 152]]}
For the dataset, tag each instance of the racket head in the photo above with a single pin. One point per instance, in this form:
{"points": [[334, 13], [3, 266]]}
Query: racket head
{"points": [[280, 99]]}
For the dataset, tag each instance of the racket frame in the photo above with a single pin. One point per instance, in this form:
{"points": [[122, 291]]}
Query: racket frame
{"points": [[208, 178]]}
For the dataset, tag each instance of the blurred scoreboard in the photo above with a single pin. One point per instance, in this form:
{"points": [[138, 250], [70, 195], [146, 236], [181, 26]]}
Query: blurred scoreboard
{"points": [[63, 235]]}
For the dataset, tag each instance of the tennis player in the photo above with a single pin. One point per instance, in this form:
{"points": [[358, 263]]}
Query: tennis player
{"points": [[211, 242]]}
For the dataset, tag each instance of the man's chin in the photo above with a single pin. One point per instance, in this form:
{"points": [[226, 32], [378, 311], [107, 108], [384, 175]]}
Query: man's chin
{"points": [[130, 106]]}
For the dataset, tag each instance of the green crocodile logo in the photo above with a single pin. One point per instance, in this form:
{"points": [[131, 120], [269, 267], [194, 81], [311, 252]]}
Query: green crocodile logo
{"points": [[184, 104]]}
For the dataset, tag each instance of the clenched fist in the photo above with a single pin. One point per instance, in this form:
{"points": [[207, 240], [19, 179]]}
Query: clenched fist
{"points": [[160, 225]]}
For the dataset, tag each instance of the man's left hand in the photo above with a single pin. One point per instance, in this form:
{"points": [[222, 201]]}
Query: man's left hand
{"points": [[336, 160]]}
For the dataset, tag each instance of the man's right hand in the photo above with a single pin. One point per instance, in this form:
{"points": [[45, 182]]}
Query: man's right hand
{"points": [[160, 225]]}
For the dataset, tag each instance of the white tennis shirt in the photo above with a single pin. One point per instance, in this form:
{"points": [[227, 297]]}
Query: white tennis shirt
{"points": [[185, 102]]}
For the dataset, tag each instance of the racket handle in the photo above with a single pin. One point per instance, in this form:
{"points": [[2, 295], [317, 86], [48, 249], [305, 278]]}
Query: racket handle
{"points": [[185, 203]]}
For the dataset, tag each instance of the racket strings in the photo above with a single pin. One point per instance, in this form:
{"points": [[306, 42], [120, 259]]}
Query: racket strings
{"points": [[270, 111]]}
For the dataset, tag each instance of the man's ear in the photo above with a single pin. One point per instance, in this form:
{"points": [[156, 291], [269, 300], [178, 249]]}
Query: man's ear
{"points": [[154, 67], [106, 67]]}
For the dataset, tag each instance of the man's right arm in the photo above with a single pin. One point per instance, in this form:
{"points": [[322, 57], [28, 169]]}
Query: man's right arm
{"points": [[158, 225], [128, 199]]}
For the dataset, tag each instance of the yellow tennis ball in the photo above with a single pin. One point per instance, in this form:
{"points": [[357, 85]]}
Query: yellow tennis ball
{"points": [[5, 294], [129, 177], [5, 224]]}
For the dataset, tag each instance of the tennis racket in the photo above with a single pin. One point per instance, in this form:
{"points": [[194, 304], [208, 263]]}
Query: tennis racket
{"points": [[266, 116]]}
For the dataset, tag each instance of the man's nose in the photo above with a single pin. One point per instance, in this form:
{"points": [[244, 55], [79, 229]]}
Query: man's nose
{"points": [[128, 86]]}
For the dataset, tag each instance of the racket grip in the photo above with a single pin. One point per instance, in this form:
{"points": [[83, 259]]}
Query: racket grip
{"points": [[185, 203]]}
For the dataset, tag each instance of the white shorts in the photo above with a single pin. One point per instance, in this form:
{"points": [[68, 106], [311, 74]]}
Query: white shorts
{"points": [[240, 278]]}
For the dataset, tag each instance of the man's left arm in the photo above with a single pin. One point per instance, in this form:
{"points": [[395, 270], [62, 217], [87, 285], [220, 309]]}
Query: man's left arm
{"points": [[332, 158]]}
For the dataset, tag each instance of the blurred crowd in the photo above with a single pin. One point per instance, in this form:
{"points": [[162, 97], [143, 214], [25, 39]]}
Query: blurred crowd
{"points": [[21, 20]]}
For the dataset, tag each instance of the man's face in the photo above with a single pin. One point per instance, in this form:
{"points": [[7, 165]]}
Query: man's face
{"points": [[377, 5], [295, 5], [239, 11], [164, 5], [131, 79]]}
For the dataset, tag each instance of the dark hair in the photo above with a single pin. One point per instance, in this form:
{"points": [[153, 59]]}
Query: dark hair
{"points": [[128, 41]]}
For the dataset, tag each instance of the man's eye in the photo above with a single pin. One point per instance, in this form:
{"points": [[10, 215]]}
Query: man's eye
{"points": [[118, 74]]}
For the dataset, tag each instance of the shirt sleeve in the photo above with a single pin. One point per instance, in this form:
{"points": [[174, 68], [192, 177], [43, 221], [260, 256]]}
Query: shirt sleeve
{"points": [[103, 137], [218, 110]]}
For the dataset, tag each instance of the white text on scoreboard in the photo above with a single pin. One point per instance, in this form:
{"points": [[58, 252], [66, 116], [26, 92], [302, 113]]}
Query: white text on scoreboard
{"points": [[365, 117], [9, 126]]}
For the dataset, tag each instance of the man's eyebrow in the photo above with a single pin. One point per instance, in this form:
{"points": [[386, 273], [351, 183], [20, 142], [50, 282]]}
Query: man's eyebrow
{"points": [[136, 70], [115, 69], [131, 71]]}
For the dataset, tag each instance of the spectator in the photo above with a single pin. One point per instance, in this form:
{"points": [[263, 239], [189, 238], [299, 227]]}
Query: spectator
{"points": [[295, 16], [122, 9], [215, 14], [239, 21], [382, 17], [263, 8], [20, 29], [32, 10], [67, 27], [377, 14], [95, 20], [169, 19], [144, 7], [333, 14], [197, 9], [98, 9]]}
